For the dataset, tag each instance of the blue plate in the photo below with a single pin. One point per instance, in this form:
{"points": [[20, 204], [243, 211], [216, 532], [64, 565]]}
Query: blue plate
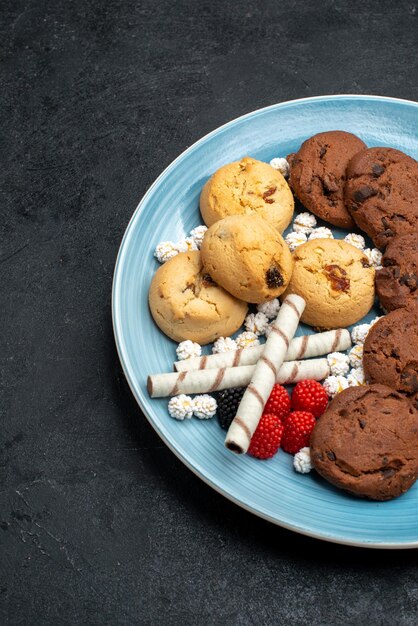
{"points": [[169, 210]]}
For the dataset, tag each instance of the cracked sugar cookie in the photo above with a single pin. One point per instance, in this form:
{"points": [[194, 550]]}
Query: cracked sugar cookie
{"points": [[247, 257], [247, 187], [336, 281], [186, 304]]}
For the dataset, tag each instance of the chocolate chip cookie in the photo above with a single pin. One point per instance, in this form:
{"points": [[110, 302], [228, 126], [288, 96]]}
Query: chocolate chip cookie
{"points": [[381, 193], [390, 353], [366, 442], [317, 174], [397, 281]]}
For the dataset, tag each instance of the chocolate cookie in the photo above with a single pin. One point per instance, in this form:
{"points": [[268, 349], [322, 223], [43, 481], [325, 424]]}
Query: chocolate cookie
{"points": [[366, 442], [390, 353], [381, 193], [317, 174], [397, 281]]}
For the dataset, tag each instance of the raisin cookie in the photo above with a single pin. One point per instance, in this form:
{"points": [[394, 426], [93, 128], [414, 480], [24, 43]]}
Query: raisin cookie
{"points": [[366, 442], [390, 353], [246, 187], [397, 281], [317, 174], [381, 193], [186, 304], [247, 257], [336, 281]]}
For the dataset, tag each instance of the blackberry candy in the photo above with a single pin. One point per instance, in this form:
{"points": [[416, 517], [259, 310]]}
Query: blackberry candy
{"points": [[228, 401]]}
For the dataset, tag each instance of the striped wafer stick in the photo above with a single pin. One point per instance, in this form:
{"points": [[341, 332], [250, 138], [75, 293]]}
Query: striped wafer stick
{"points": [[304, 347], [207, 381], [257, 393]]}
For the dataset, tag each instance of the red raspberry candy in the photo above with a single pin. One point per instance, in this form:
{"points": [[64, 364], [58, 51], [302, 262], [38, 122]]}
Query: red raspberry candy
{"points": [[309, 395], [266, 440], [298, 427], [278, 402]]}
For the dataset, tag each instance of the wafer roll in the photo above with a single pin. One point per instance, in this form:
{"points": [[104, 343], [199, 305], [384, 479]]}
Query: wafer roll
{"points": [[207, 381], [304, 347], [258, 391]]}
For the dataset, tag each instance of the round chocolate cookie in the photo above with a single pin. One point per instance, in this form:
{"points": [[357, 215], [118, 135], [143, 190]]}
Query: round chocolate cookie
{"points": [[381, 193], [397, 281], [390, 354], [366, 442], [317, 174]]}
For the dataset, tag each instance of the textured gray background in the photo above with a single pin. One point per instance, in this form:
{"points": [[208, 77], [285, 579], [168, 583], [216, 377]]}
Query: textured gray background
{"points": [[99, 522]]}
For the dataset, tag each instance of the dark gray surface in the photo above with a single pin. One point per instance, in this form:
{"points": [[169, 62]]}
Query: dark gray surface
{"points": [[100, 523]]}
